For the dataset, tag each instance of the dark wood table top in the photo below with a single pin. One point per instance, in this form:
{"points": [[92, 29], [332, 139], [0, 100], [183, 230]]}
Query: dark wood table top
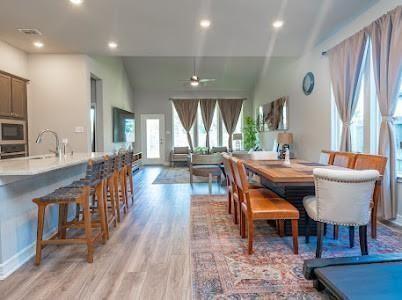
{"points": [[299, 172]]}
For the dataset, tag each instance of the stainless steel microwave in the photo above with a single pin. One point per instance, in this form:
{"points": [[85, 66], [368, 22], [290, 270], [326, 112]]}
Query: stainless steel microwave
{"points": [[12, 132]]}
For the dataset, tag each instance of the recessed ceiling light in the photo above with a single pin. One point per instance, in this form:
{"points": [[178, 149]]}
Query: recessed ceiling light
{"points": [[38, 44], [205, 23], [112, 45], [76, 2], [277, 24]]}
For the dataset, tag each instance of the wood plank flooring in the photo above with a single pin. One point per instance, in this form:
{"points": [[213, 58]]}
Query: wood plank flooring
{"points": [[147, 256]]}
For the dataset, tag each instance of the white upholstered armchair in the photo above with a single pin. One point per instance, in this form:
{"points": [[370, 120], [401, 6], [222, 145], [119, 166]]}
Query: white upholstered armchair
{"points": [[342, 198]]}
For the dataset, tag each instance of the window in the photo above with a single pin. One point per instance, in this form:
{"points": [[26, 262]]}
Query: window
{"points": [[366, 120], [218, 135], [213, 132], [179, 133], [239, 127], [357, 126], [398, 133]]}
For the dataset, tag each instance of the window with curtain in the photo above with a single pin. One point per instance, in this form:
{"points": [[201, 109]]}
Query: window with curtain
{"points": [[213, 132], [225, 135], [218, 135], [179, 133], [367, 119], [398, 133]]}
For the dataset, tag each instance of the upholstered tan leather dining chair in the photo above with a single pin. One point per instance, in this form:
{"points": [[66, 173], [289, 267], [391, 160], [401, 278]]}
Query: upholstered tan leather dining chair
{"points": [[344, 159], [342, 198]]}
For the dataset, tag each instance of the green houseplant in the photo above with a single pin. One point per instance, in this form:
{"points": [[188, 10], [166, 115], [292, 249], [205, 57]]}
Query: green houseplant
{"points": [[250, 133]]}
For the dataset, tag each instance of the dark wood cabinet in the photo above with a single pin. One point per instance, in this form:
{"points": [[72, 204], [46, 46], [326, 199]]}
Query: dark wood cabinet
{"points": [[13, 96], [5, 95], [19, 98]]}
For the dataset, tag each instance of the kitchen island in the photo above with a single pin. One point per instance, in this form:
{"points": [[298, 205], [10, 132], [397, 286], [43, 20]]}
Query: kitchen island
{"points": [[21, 180]]}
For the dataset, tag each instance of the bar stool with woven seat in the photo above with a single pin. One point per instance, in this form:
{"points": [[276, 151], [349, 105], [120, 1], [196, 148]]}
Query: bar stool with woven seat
{"points": [[109, 193], [65, 197], [262, 204], [95, 180]]}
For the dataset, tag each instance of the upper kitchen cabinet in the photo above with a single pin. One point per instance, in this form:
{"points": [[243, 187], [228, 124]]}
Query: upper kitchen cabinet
{"points": [[18, 98], [13, 96], [5, 95]]}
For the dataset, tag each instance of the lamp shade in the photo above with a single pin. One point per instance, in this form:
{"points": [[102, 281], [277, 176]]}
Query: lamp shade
{"points": [[285, 138], [237, 136]]}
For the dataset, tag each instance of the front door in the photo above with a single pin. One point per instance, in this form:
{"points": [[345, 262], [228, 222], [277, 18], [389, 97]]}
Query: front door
{"points": [[152, 133]]}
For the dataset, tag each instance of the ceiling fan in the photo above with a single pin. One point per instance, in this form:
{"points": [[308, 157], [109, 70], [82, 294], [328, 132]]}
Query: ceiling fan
{"points": [[195, 81]]}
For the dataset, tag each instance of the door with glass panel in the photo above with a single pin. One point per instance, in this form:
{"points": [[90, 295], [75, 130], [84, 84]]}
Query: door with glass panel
{"points": [[152, 136]]}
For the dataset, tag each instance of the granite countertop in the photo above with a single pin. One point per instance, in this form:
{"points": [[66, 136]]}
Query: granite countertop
{"points": [[34, 165]]}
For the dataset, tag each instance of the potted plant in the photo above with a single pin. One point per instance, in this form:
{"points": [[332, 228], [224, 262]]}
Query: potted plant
{"points": [[200, 150], [250, 133]]}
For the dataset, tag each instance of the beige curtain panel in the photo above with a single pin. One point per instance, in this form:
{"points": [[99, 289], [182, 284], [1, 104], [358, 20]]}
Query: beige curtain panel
{"points": [[386, 39], [187, 112], [207, 113], [345, 61], [230, 111]]}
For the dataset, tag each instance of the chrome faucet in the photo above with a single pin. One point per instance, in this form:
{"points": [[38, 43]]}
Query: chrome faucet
{"points": [[39, 140]]}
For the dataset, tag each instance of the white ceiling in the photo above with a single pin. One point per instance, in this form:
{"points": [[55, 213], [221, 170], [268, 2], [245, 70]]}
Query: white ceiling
{"points": [[171, 27]]}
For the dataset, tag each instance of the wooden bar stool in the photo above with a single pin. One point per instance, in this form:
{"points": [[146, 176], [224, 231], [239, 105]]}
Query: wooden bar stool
{"points": [[262, 204], [109, 192], [64, 197], [129, 174], [95, 180], [119, 179]]}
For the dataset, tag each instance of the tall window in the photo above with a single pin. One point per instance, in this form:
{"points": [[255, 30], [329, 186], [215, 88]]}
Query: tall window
{"points": [[213, 132], [398, 133], [225, 135], [218, 135], [179, 133], [366, 119], [357, 126]]}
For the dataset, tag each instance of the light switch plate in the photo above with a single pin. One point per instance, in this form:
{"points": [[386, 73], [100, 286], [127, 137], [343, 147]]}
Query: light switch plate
{"points": [[79, 129]]}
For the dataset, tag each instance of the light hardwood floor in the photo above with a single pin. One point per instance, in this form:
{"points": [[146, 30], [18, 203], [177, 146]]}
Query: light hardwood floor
{"points": [[147, 256]]}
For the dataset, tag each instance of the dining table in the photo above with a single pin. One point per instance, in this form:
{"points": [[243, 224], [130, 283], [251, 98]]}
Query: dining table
{"points": [[291, 181]]}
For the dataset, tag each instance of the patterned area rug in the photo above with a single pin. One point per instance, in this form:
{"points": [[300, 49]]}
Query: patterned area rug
{"points": [[221, 268], [177, 176]]}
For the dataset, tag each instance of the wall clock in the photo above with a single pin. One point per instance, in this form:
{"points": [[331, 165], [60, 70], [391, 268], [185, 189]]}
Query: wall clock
{"points": [[308, 83]]}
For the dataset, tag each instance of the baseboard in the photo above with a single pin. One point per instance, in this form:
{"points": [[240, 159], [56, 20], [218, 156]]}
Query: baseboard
{"points": [[398, 220], [16, 261]]}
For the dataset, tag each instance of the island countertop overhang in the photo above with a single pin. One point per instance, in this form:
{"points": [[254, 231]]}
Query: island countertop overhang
{"points": [[35, 165]]}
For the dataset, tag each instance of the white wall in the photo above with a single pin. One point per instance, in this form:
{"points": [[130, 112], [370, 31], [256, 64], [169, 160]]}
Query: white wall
{"points": [[116, 91], [58, 99], [13, 60], [157, 102]]}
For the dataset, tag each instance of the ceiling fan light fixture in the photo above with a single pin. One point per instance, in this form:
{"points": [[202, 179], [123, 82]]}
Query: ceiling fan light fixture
{"points": [[194, 83]]}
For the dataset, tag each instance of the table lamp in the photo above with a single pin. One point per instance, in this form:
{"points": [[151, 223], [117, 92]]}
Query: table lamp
{"points": [[237, 137]]}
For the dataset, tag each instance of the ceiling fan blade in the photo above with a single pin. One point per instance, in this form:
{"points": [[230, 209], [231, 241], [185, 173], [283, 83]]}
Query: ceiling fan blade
{"points": [[207, 80]]}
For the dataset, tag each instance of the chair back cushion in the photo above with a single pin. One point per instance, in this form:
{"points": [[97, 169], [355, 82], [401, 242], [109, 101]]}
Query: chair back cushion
{"points": [[264, 155], [344, 159], [370, 162], [228, 167], [239, 174], [326, 157], [181, 150], [344, 197]]}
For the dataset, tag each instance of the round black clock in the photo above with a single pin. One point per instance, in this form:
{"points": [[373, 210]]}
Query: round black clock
{"points": [[308, 83]]}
